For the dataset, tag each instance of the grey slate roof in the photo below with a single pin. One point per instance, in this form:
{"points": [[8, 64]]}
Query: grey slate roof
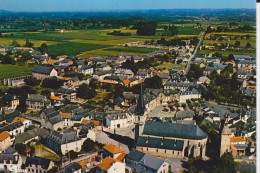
{"points": [[152, 142], [12, 126], [42, 69], [64, 138], [56, 119], [152, 162], [146, 160], [135, 155], [71, 168], [45, 163], [165, 129]]}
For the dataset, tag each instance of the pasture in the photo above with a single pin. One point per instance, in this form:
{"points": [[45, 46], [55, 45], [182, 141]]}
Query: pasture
{"points": [[71, 48], [8, 71], [226, 53]]}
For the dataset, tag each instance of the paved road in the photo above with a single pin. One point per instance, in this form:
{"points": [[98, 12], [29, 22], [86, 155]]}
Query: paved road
{"points": [[195, 51]]}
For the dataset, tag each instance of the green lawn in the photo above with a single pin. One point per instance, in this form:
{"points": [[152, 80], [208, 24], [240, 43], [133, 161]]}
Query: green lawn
{"points": [[168, 65], [43, 152], [71, 48], [7, 70]]}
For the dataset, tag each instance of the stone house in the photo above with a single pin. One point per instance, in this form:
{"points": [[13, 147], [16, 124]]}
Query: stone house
{"points": [[65, 142], [9, 101], [144, 163], [54, 123], [42, 72], [37, 164], [37, 102]]}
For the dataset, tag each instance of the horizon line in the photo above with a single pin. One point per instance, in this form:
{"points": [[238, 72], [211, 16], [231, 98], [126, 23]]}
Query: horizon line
{"points": [[107, 10]]}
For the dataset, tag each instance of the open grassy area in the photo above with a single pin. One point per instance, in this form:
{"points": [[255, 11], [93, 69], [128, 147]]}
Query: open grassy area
{"points": [[189, 30], [105, 53], [131, 49], [100, 96], [168, 65], [226, 53], [43, 152], [37, 43], [7, 70], [242, 42], [71, 48]]}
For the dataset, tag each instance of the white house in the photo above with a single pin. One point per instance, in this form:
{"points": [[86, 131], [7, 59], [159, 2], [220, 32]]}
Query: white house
{"points": [[10, 163], [110, 165], [86, 70], [26, 122], [192, 94], [64, 142], [203, 79], [5, 140], [144, 163], [117, 120], [38, 164]]}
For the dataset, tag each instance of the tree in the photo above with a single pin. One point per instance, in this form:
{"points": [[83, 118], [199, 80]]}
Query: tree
{"points": [[28, 43], [26, 55], [237, 43], [72, 155], [146, 28], [153, 82], [46, 92], [8, 60], [43, 48], [195, 72], [20, 148], [173, 30], [15, 44], [32, 81], [84, 92], [93, 84], [248, 45], [52, 83], [88, 145]]}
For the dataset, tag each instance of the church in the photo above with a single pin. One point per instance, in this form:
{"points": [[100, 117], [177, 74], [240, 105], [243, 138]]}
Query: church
{"points": [[170, 139]]}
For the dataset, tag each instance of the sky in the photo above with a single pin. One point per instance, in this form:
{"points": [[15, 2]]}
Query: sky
{"points": [[90, 5]]}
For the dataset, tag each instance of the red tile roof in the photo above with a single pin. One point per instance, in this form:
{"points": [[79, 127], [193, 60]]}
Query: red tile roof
{"points": [[113, 149], [4, 135]]}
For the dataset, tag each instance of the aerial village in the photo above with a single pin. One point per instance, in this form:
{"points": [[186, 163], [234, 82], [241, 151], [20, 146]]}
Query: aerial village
{"points": [[122, 113]]}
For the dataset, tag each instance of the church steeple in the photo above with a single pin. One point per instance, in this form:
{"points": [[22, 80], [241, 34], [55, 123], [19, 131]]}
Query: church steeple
{"points": [[140, 108]]}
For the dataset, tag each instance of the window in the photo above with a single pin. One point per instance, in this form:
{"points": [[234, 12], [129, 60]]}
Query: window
{"points": [[146, 149], [165, 151]]}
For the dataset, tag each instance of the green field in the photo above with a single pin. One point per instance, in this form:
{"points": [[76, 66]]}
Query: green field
{"points": [[7, 70], [71, 48], [168, 65], [226, 53], [131, 49], [189, 30], [242, 42]]}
